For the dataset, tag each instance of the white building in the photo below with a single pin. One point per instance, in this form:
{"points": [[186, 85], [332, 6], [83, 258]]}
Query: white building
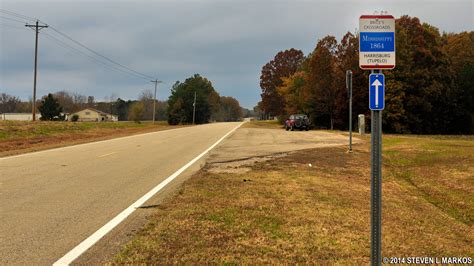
{"points": [[92, 115], [18, 116]]}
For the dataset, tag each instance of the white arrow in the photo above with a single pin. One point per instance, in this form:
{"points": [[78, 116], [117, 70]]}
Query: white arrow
{"points": [[376, 84]]}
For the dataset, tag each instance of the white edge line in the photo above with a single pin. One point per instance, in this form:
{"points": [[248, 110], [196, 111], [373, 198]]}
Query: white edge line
{"points": [[89, 143], [77, 251], [107, 154]]}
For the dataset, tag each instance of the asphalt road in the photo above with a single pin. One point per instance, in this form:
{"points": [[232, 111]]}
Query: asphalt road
{"points": [[51, 201]]}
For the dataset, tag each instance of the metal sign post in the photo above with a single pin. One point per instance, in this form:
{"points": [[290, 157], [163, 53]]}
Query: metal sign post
{"points": [[376, 52], [349, 88], [376, 181]]}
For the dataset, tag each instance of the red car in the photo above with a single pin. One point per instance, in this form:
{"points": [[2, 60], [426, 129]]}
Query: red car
{"points": [[300, 122]]}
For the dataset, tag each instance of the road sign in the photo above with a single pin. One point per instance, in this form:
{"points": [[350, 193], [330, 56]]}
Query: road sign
{"points": [[376, 91], [377, 42]]}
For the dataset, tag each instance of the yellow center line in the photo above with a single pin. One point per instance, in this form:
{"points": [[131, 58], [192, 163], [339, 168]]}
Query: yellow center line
{"points": [[107, 154]]}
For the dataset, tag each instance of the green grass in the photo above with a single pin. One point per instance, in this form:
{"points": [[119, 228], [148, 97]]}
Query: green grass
{"points": [[437, 168], [290, 213]]}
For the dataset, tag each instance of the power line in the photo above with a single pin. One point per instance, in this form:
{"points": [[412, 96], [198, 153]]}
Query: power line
{"points": [[94, 56], [144, 76], [135, 73], [12, 26], [12, 19], [79, 52], [11, 13]]}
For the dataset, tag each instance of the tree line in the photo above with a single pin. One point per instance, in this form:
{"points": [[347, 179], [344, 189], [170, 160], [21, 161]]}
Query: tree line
{"points": [[431, 90], [196, 97], [210, 106]]}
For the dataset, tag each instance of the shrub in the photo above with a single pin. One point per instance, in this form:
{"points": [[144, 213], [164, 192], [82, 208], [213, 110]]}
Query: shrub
{"points": [[74, 118]]}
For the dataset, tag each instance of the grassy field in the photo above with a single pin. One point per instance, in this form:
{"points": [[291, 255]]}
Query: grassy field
{"points": [[286, 211], [24, 136]]}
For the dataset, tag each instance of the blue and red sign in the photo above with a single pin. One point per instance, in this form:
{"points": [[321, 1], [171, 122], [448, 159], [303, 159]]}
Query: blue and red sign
{"points": [[377, 42]]}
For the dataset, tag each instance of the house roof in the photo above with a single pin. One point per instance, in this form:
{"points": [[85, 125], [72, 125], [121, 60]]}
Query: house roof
{"points": [[95, 110]]}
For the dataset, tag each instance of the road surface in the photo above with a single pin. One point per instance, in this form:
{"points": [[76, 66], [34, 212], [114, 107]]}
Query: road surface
{"points": [[50, 201], [250, 145]]}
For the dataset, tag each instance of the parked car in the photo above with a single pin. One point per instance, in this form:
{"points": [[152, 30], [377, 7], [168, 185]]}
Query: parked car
{"points": [[300, 122]]}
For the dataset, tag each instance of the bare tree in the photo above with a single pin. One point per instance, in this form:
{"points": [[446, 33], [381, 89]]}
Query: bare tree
{"points": [[9, 103], [90, 101], [66, 100], [136, 112], [110, 103], [111, 98], [79, 100], [146, 98]]}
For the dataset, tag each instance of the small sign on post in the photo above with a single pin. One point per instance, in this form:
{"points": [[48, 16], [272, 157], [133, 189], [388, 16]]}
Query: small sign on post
{"points": [[376, 91]]}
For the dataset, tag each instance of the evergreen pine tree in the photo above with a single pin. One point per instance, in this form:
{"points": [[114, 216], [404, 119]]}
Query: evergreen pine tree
{"points": [[50, 108]]}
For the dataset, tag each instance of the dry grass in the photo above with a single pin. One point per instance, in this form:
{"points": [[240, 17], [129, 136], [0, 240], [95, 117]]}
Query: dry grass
{"points": [[23, 136], [263, 124], [285, 211]]}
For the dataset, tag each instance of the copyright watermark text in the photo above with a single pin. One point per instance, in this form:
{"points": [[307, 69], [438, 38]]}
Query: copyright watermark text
{"points": [[427, 260]]}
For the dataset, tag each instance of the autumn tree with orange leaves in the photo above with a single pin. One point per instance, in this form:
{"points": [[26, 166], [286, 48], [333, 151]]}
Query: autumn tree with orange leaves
{"points": [[431, 91], [284, 64]]}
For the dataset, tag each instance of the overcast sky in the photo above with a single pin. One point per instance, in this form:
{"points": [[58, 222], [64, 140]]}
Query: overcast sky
{"points": [[226, 41]]}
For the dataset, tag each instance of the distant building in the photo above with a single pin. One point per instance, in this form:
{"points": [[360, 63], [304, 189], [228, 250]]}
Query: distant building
{"points": [[93, 115], [19, 116]]}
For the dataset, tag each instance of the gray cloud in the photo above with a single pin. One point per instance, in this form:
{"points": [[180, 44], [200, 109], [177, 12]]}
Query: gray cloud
{"points": [[226, 41]]}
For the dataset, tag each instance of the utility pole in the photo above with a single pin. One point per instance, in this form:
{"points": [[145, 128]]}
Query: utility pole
{"points": [[194, 107], [37, 29], [154, 98], [349, 88]]}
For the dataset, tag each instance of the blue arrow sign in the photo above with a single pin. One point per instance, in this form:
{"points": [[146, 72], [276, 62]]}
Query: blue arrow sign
{"points": [[376, 91]]}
